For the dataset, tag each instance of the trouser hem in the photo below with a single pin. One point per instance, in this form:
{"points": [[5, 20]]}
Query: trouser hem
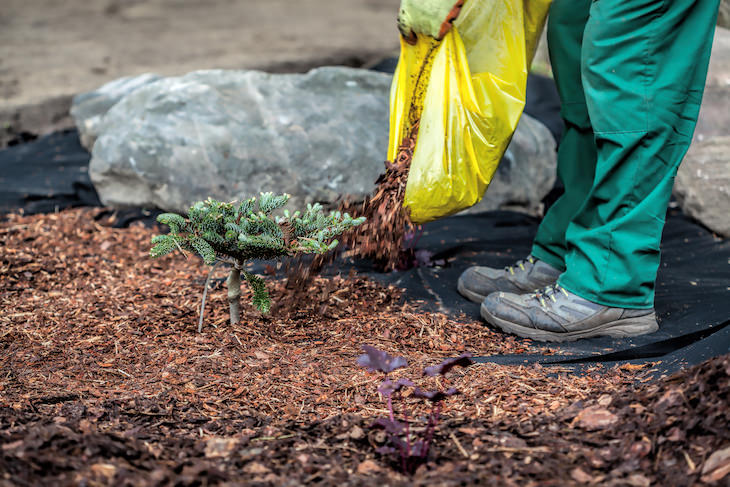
{"points": [[579, 291], [541, 254]]}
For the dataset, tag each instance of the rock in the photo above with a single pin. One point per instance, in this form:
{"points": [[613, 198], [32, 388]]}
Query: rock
{"points": [[714, 118], [714, 115], [88, 109], [527, 172], [233, 134], [719, 72], [168, 142], [723, 19], [702, 186]]}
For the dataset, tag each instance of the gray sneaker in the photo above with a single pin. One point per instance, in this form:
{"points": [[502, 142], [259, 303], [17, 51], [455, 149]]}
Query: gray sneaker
{"points": [[476, 283], [554, 314]]}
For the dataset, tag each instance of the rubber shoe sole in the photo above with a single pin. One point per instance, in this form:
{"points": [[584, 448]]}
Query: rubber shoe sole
{"points": [[467, 293], [626, 327]]}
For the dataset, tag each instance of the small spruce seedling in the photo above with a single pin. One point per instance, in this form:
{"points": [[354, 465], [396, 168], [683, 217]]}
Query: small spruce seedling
{"points": [[236, 233], [412, 450]]}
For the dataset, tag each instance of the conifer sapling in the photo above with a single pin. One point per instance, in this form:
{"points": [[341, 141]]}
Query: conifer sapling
{"points": [[236, 233]]}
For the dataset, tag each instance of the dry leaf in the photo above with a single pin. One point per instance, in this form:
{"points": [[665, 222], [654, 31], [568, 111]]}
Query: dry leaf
{"points": [[220, 447], [717, 466], [581, 476], [256, 468], [368, 467], [106, 471], [638, 480], [595, 418]]}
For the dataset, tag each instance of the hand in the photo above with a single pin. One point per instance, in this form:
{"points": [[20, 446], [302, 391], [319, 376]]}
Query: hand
{"points": [[433, 18]]}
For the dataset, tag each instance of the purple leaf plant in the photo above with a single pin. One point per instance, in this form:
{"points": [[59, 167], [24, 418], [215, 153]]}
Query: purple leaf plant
{"points": [[375, 360], [413, 451]]}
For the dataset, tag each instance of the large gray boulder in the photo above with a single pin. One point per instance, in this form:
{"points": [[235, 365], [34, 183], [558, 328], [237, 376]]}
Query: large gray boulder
{"points": [[230, 134], [723, 18], [702, 185], [88, 109], [526, 173]]}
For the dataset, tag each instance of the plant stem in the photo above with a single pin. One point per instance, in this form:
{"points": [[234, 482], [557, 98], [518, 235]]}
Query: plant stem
{"points": [[390, 409], [234, 293], [205, 295], [432, 421], [408, 431]]}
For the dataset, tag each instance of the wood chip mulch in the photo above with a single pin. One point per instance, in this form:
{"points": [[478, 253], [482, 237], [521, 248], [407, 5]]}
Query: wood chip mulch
{"points": [[105, 381], [381, 237]]}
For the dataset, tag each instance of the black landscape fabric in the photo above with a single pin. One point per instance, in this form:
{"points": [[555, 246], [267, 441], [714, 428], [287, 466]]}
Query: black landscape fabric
{"points": [[46, 175], [693, 287], [692, 293]]}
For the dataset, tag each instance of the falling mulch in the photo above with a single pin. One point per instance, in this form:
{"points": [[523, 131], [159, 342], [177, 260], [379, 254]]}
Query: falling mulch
{"points": [[381, 238], [106, 381], [387, 222]]}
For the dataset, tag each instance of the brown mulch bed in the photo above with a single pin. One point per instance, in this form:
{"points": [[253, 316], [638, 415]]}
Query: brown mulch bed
{"points": [[104, 380]]}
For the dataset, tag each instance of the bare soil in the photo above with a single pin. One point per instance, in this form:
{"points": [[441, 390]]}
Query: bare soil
{"points": [[52, 50]]}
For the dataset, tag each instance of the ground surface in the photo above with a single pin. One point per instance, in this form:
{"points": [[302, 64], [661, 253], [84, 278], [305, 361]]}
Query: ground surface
{"points": [[106, 382], [52, 50]]}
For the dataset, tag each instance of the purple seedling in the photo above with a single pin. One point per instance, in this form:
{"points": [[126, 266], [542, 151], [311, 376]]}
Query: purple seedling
{"points": [[376, 360], [412, 453], [463, 360]]}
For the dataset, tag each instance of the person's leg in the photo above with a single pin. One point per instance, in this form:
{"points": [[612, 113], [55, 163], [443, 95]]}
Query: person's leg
{"points": [[644, 66], [577, 152], [576, 163]]}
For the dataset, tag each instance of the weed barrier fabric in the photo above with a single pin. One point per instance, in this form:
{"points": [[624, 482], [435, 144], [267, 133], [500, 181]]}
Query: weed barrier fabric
{"points": [[46, 175], [692, 292], [693, 286]]}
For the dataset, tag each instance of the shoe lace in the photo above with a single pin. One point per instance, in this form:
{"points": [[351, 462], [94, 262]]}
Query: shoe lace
{"points": [[548, 292], [520, 264]]}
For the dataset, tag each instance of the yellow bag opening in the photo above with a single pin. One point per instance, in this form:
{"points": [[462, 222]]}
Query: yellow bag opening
{"points": [[467, 93]]}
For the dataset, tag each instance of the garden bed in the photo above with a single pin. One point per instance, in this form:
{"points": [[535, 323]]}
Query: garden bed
{"points": [[106, 381]]}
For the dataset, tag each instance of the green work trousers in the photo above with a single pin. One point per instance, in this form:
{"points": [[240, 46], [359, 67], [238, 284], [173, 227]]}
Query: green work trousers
{"points": [[631, 74]]}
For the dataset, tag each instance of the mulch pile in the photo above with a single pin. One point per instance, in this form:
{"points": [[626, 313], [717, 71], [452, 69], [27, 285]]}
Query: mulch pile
{"points": [[106, 382]]}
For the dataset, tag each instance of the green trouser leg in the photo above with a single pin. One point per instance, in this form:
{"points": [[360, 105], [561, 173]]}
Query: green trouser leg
{"points": [[643, 67], [577, 152]]}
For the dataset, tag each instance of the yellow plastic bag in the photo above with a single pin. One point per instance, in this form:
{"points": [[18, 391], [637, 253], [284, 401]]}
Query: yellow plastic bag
{"points": [[468, 91]]}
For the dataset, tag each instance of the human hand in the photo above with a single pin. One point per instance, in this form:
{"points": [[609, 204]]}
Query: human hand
{"points": [[433, 18]]}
